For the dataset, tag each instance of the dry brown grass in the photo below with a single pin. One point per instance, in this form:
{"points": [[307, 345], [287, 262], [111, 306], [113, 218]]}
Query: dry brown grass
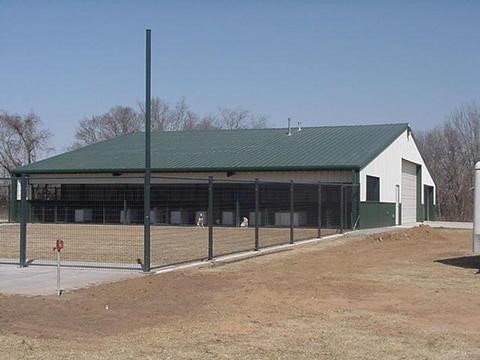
{"points": [[408, 295]]}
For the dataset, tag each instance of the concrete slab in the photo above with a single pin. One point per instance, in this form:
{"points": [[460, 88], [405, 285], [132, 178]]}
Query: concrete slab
{"points": [[450, 224], [42, 280]]}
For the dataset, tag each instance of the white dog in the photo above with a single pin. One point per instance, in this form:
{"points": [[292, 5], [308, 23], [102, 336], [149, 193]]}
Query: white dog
{"points": [[200, 220]]}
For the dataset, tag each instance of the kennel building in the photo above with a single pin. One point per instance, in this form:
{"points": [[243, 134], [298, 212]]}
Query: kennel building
{"points": [[370, 176]]}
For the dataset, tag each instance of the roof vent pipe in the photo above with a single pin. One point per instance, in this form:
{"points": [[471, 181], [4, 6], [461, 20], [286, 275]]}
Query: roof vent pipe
{"points": [[299, 126], [289, 133]]}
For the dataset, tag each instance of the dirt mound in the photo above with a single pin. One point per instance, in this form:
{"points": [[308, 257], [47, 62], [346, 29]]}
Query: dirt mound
{"points": [[420, 232]]}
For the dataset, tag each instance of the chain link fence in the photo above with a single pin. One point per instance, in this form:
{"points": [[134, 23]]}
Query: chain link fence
{"points": [[102, 221], [5, 200], [9, 231]]}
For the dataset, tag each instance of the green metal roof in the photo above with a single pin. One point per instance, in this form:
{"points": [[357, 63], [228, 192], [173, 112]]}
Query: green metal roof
{"points": [[326, 147]]}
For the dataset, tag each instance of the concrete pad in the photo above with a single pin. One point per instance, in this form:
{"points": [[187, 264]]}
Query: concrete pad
{"points": [[450, 224], [42, 280]]}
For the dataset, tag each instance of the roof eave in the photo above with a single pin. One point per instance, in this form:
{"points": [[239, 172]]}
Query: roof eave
{"points": [[193, 170]]}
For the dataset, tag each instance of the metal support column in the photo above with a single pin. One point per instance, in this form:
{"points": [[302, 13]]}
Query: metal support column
{"points": [[103, 208], [210, 218], [342, 209], [319, 205], [125, 209], [9, 202], [291, 211], [257, 217], [23, 221]]}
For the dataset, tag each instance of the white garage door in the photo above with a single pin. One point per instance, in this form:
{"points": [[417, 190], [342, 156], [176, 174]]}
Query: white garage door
{"points": [[409, 192]]}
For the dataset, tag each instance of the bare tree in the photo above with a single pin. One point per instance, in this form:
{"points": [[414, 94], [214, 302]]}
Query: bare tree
{"points": [[239, 118], [450, 151], [207, 122], [466, 123], [258, 122], [22, 140], [160, 114], [120, 120], [181, 117], [233, 118]]}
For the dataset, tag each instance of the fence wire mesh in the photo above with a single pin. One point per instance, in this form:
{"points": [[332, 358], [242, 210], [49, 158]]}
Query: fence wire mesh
{"points": [[101, 225], [179, 231], [233, 207], [9, 231], [102, 222], [274, 214], [5, 200], [305, 211]]}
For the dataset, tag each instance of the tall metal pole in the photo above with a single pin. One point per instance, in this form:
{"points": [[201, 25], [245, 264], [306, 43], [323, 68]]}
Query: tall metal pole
{"points": [[476, 210], [146, 200]]}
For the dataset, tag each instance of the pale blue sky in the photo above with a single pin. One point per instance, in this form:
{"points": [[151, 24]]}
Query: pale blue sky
{"points": [[320, 62]]}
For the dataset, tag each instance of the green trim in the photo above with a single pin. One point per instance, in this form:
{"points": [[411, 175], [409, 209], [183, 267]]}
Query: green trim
{"points": [[420, 209], [431, 213], [194, 170], [400, 214], [376, 214], [355, 196]]}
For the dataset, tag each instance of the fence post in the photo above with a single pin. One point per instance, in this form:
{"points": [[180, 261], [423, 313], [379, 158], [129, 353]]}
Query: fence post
{"points": [[23, 221], [55, 211], [256, 214], [9, 202], [125, 210], [13, 207], [210, 218], [342, 211], [103, 208], [319, 210], [291, 212]]}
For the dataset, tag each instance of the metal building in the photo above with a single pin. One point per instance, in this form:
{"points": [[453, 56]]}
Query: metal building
{"points": [[390, 182]]}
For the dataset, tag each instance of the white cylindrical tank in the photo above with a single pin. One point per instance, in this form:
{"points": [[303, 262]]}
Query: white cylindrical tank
{"points": [[476, 210]]}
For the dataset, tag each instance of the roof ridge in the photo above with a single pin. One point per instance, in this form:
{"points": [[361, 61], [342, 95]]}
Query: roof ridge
{"points": [[272, 128]]}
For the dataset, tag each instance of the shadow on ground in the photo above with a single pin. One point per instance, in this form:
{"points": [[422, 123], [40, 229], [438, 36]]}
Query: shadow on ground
{"points": [[466, 262]]}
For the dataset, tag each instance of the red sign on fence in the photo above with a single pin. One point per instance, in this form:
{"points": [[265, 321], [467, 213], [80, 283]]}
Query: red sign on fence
{"points": [[58, 245]]}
